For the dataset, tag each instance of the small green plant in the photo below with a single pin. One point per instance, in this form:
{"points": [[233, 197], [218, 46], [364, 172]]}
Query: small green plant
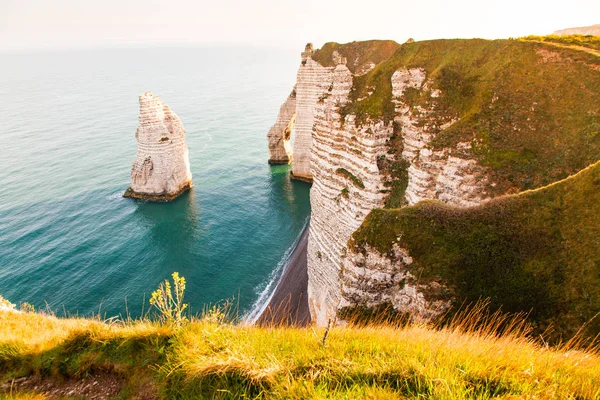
{"points": [[215, 315], [27, 307], [169, 301], [349, 175]]}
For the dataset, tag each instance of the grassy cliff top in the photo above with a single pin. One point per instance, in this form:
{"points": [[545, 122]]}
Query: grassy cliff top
{"points": [[538, 250], [74, 358], [356, 53], [589, 41]]}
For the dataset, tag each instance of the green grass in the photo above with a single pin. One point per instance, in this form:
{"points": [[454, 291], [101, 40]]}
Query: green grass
{"points": [[538, 250], [589, 41], [356, 53], [350, 176], [221, 361]]}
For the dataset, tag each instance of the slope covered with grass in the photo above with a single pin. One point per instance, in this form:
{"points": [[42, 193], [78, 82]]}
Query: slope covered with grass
{"points": [[208, 359], [357, 53], [589, 41], [538, 250]]}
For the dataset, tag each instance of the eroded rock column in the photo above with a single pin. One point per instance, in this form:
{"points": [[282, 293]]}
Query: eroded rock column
{"points": [[161, 170]]}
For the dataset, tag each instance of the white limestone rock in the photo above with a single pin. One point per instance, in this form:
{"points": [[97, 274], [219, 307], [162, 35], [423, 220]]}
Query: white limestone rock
{"points": [[347, 185], [161, 170], [341, 159], [450, 175], [280, 134], [312, 83], [371, 279]]}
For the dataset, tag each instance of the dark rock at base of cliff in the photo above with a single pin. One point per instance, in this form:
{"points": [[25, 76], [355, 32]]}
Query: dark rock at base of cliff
{"points": [[303, 178], [129, 193], [280, 162]]}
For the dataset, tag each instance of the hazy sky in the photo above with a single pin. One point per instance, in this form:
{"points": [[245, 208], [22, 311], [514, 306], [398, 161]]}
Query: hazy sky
{"points": [[34, 24]]}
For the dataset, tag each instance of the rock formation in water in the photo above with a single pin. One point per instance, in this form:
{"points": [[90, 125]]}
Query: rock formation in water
{"points": [[161, 170], [383, 125]]}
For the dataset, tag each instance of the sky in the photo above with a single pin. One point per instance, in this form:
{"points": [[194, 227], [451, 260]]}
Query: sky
{"points": [[66, 24]]}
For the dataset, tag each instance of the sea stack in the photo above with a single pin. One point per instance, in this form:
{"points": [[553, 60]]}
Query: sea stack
{"points": [[161, 170]]}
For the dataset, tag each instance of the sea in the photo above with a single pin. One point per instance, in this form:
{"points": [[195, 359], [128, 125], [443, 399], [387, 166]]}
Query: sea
{"points": [[72, 245]]}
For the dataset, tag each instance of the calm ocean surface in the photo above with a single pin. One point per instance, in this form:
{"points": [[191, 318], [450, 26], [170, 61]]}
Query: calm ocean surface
{"points": [[67, 142]]}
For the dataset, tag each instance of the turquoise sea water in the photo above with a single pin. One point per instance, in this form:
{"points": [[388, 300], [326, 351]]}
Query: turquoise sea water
{"points": [[67, 142]]}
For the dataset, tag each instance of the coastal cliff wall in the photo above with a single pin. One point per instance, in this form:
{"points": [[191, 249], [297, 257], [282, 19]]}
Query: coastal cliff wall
{"points": [[346, 162], [450, 175], [347, 185], [415, 126], [161, 170]]}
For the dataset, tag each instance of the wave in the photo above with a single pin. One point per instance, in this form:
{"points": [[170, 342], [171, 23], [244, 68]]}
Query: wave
{"points": [[267, 293]]}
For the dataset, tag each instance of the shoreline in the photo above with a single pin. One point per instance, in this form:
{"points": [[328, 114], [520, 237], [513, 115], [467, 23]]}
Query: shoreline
{"points": [[288, 304]]}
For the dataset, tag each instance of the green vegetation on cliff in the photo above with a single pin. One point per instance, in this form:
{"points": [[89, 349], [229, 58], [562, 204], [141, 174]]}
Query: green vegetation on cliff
{"points": [[529, 110], [589, 41], [205, 358], [538, 250], [356, 53]]}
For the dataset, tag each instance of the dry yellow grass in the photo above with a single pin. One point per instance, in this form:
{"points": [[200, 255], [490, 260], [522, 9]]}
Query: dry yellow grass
{"points": [[219, 360]]}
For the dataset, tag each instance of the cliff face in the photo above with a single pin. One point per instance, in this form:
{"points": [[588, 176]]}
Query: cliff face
{"points": [[161, 170], [369, 278], [312, 81], [350, 180], [347, 185], [449, 174], [442, 121]]}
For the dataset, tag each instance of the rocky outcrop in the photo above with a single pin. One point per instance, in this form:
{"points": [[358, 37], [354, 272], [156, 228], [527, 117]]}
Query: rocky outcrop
{"points": [[371, 279], [347, 186], [280, 135], [342, 158], [451, 175], [161, 170]]}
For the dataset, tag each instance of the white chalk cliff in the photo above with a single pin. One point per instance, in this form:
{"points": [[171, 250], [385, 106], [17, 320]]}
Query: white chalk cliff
{"points": [[342, 160], [161, 170], [450, 175]]}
